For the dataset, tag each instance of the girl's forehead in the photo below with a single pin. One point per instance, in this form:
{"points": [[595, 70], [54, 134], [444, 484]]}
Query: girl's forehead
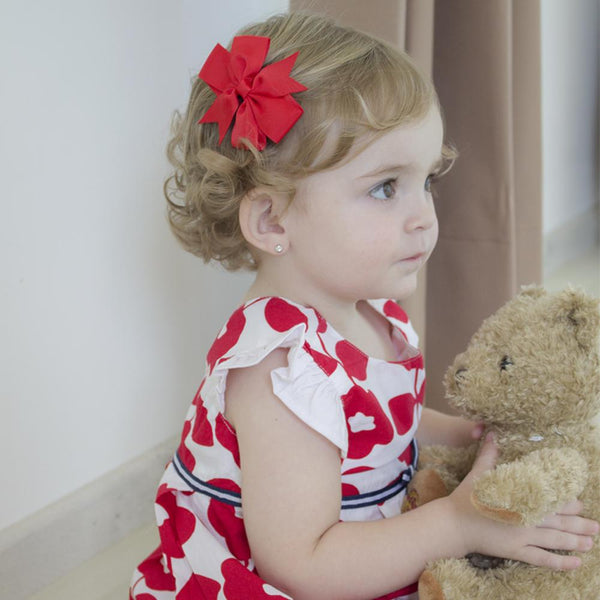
{"points": [[414, 147], [415, 142]]}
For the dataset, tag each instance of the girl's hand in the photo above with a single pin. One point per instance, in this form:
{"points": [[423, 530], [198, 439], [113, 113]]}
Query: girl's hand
{"points": [[565, 530], [448, 430]]}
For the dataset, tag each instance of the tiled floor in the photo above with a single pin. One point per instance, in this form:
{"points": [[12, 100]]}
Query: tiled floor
{"points": [[106, 577]]}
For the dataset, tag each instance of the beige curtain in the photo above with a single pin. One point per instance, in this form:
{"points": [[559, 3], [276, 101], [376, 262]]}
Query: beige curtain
{"points": [[484, 57], [487, 72]]}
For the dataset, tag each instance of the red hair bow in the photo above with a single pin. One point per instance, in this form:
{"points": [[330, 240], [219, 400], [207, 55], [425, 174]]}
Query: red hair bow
{"points": [[258, 97]]}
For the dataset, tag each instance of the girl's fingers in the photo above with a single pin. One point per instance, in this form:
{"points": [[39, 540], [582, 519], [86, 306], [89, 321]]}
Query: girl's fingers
{"points": [[574, 507], [571, 523], [542, 558], [567, 519], [553, 539], [477, 431]]}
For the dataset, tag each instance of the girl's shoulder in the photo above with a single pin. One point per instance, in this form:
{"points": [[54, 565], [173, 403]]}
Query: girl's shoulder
{"points": [[260, 326], [323, 376]]}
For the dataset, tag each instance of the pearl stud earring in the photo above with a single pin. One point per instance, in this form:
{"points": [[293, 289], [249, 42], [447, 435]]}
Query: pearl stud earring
{"points": [[278, 248]]}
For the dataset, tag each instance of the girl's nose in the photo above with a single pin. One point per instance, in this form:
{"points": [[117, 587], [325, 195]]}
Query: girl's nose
{"points": [[422, 213]]}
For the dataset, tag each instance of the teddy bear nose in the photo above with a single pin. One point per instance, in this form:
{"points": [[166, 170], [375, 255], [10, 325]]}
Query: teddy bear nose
{"points": [[460, 375]]}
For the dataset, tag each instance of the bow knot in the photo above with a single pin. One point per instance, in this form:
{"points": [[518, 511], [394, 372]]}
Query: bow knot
{"points": [[258, 98], [243, 88]]}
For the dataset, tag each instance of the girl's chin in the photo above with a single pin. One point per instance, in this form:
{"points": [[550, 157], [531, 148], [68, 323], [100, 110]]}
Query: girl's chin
{"points": [[407, 287]]}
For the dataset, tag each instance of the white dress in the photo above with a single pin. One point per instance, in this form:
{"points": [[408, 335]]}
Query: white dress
{"points": [[369, 408]]}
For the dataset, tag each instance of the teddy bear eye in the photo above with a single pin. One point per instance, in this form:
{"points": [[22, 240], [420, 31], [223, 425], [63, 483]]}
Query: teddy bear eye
{"points": [[505, 363]]}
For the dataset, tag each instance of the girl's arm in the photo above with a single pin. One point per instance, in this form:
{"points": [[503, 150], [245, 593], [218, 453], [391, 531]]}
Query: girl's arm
{"points": [[291, 502], [438, 428]]}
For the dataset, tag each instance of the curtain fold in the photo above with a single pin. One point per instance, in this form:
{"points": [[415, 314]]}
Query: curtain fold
{"points": [[419, 32], [487, 73], [485, 61]]}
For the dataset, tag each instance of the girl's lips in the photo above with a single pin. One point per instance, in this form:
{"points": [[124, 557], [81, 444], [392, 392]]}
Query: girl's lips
{"points": [[415, 257]]}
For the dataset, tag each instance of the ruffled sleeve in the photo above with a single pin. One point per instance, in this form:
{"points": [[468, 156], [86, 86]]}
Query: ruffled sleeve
{"points": [[303, 385], [307, 391]]}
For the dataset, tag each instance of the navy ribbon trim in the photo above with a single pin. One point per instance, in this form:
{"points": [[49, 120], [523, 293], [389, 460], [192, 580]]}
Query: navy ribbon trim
{"points": [[221, 494], [383, 494], [348, 502]]}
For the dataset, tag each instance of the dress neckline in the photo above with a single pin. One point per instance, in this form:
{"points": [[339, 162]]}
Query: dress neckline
{"points": [[407, 353]]}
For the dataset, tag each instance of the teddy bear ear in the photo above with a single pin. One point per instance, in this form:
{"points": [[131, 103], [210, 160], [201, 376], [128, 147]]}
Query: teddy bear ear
{"points": [[582, 314], [532, 291]]}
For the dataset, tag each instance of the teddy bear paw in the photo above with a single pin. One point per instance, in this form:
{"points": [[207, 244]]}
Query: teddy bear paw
{"points": [[429, 587]]}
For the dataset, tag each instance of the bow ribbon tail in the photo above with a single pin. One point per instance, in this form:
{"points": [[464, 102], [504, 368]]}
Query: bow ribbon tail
{"points": [[222, 111], [246, 127]]}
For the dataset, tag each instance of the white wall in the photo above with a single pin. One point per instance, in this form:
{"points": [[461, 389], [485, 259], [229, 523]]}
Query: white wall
{"points": [[570, 70], [104, 320]]}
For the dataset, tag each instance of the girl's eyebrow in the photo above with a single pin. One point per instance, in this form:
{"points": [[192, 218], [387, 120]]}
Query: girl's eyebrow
{"points": [[435, 167]]}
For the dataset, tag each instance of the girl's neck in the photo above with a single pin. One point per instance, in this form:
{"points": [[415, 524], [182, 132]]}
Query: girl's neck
{"points": [[341, 313]]}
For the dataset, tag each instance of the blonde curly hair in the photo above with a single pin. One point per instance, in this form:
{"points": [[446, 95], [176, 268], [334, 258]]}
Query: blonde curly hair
{"points": [[358, 89]]}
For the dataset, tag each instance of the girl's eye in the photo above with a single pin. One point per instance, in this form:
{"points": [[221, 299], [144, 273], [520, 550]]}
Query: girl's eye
{"points": [[429, 182], [384, 191]]}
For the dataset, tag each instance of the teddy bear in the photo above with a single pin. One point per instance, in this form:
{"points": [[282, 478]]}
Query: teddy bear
{"points": [[531, 374]]}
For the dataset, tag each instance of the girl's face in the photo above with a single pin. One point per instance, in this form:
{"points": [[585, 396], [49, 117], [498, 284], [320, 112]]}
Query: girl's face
{"points": [[364, 229]]}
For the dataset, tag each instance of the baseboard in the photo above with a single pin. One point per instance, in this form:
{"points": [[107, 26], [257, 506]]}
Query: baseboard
{"points": [[571, 240], [47, 545]]}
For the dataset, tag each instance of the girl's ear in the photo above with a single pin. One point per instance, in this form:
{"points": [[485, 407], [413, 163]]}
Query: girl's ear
{"points": [[261, 220]]}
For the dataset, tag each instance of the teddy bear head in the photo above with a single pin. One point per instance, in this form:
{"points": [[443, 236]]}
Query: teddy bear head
{"points": [[536, 360]]}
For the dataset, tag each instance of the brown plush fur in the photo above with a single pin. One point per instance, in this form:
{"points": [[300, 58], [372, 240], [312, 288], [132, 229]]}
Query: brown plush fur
{"points": [[532, 375]]}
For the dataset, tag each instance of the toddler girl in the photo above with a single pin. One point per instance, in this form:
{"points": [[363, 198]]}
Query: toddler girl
{"points": [[307, 153]]}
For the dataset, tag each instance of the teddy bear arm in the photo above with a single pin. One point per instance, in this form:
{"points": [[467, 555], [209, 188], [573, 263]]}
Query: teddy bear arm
{"points": [[523, 492]]}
